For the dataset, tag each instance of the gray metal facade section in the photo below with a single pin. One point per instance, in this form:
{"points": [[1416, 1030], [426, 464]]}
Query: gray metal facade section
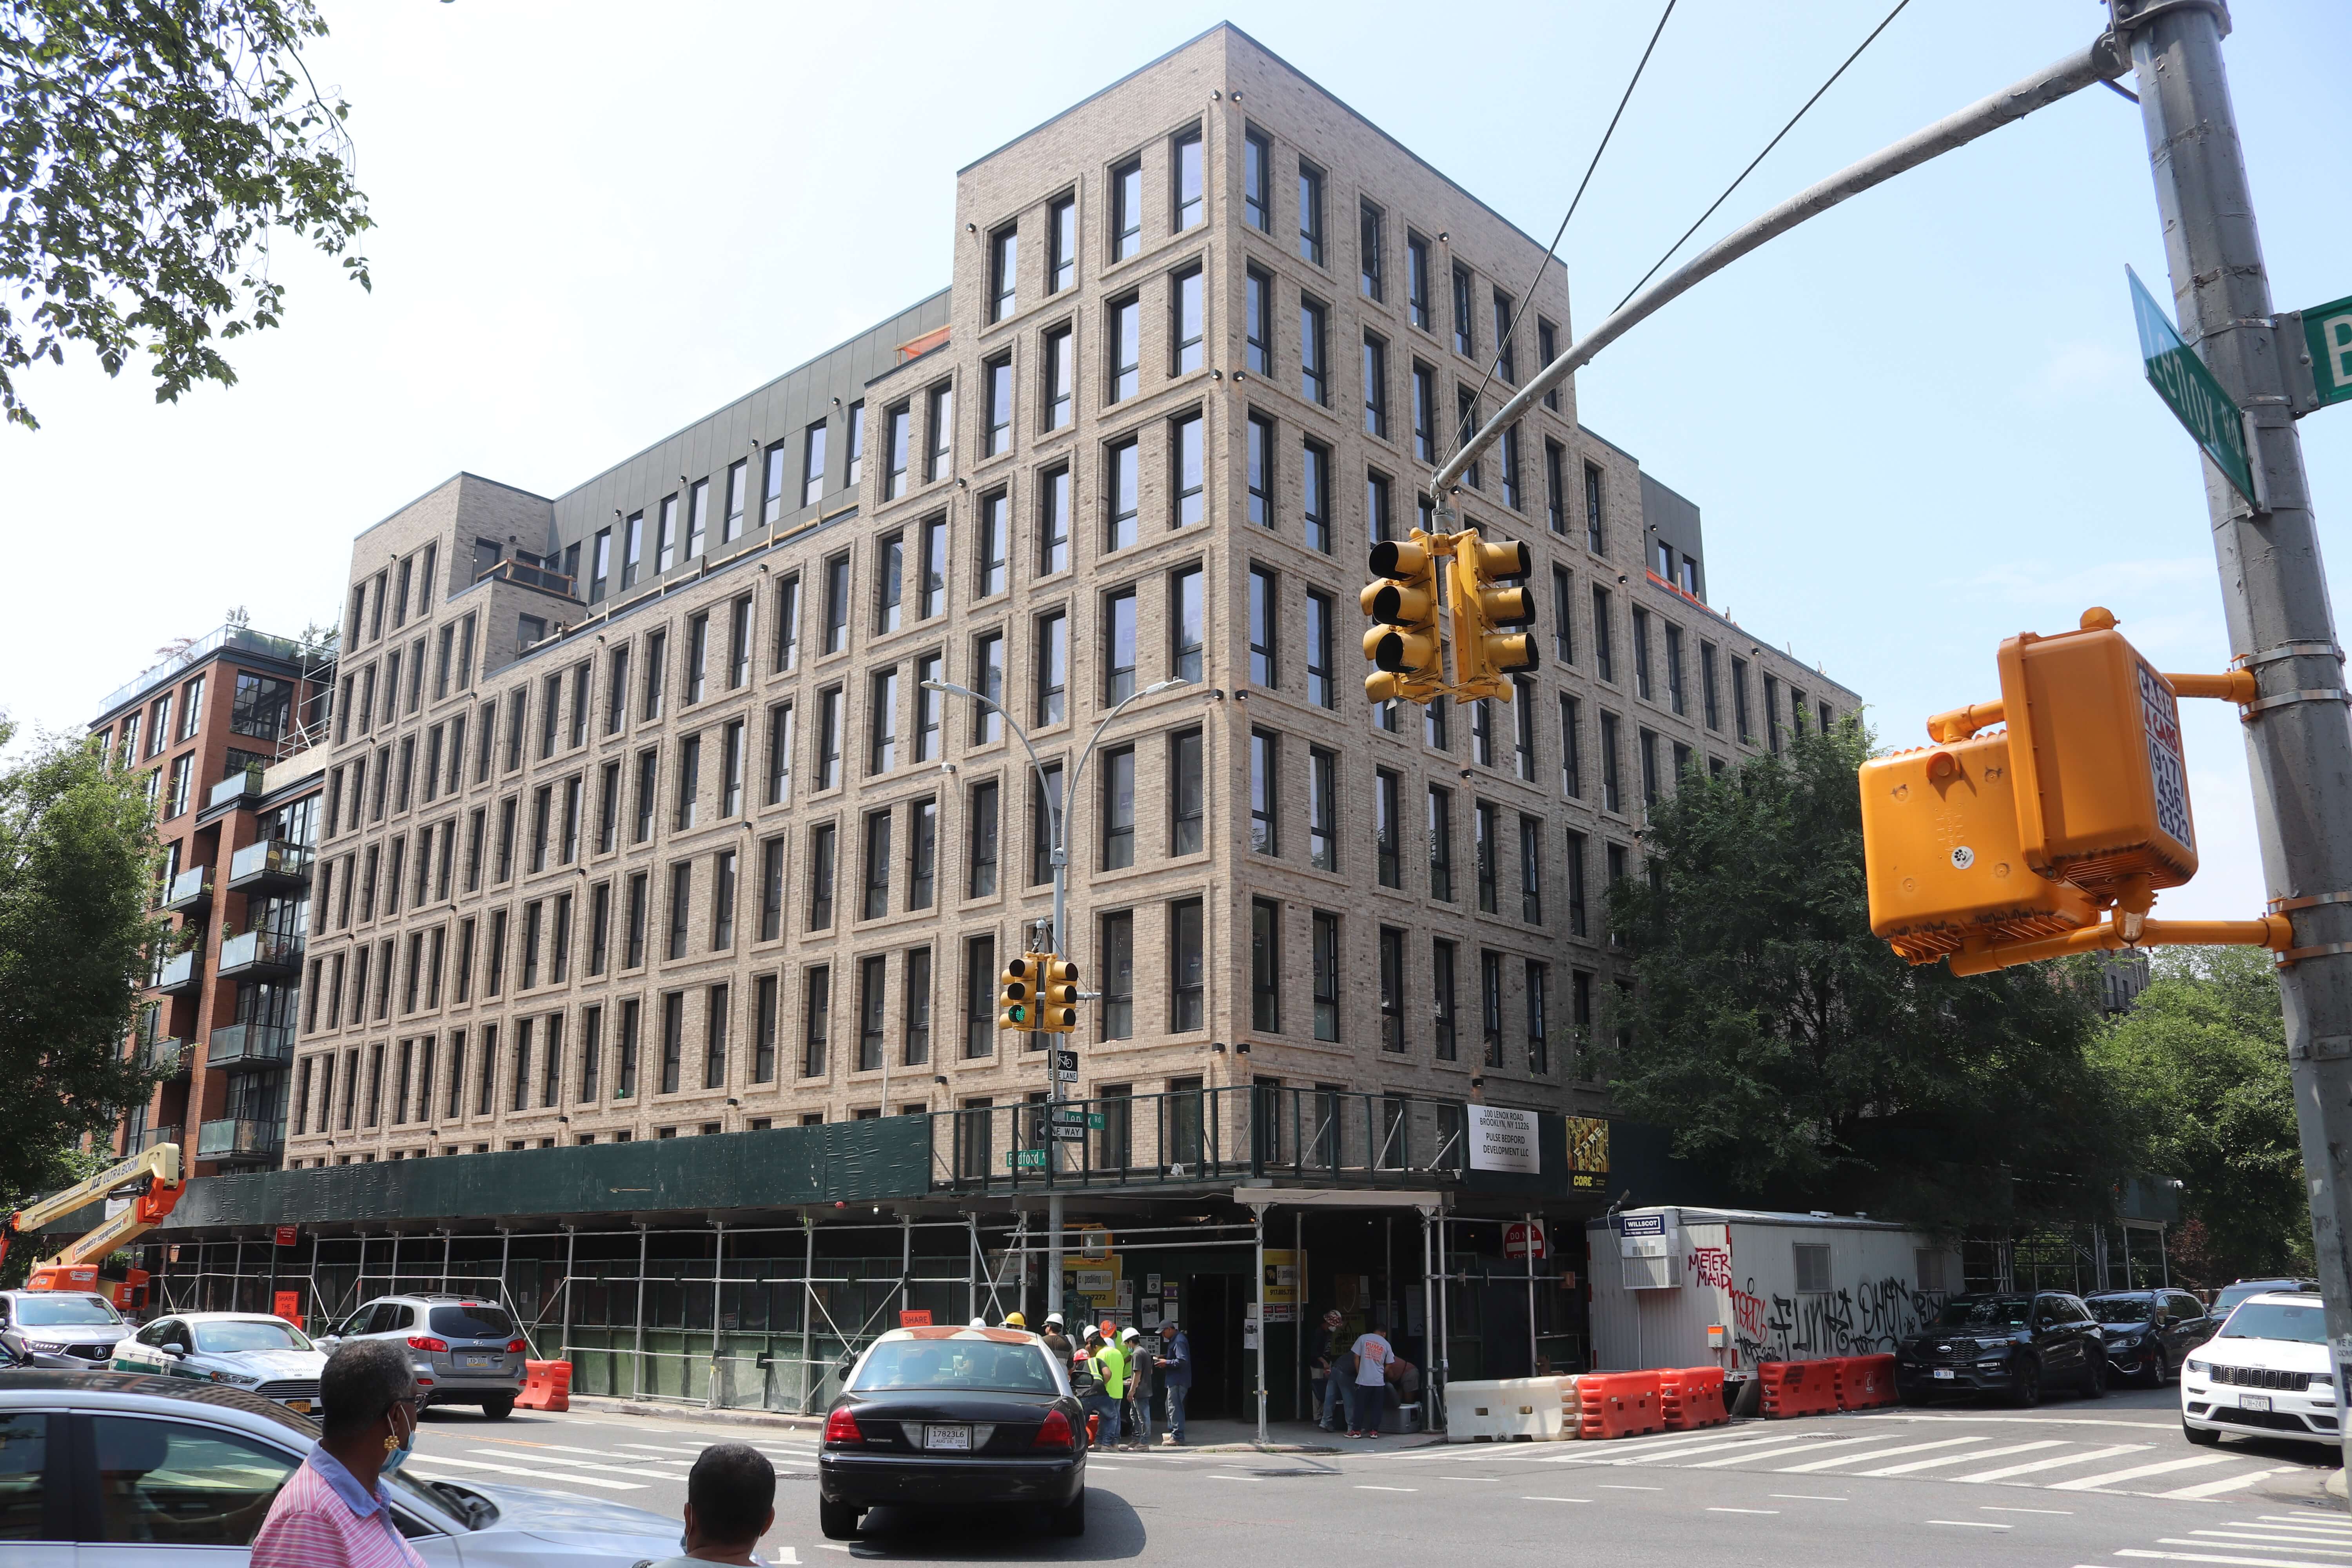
{"points": [[822, 389], [1674, 520]]}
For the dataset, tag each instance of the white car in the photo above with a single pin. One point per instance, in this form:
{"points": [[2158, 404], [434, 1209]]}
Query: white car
{"points": [[252, 1351], [2265, 1375], [113, 1469]]}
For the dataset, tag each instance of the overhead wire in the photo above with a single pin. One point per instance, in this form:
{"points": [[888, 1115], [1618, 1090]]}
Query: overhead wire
{"points": [[1527, 294], [1760, 157]]}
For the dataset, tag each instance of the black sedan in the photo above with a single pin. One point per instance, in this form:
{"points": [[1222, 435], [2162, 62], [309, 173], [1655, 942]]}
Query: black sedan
{"points": [[2150, 1332], [1996, 1342], [953, 1417]]}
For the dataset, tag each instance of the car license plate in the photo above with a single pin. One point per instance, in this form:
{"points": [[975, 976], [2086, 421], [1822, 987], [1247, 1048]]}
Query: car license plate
{"points": [[479, 1360], [958, 1438], [1945, 1371], [2254, 1401]]}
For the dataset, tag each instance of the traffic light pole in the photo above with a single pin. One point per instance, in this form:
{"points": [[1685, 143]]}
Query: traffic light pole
{"points": [[1057, 817], [2275, 595]]}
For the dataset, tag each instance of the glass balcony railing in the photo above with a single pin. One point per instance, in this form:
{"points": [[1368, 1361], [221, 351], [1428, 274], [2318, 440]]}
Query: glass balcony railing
{"points": [[232, 1139], [154, 1137], [190, 890], [250, 1046], [537, 577], [166, 1056], [175, 974], [244, 783], [268, 861], [259, 953]]}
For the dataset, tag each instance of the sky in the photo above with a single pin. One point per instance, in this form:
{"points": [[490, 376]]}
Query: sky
{"points": [[1916, 426]]}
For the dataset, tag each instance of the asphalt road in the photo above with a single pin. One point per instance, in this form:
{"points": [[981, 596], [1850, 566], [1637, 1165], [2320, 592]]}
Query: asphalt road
{"points": [[2109, 1483]]}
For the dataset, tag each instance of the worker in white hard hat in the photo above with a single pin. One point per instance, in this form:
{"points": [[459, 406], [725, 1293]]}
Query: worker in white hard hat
{"points": [[1135, 1424], [1056, 1341]]}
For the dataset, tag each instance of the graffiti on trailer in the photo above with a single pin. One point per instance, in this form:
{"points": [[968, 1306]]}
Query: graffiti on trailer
{"points": [[1863, 1321], [1711, 1266]]}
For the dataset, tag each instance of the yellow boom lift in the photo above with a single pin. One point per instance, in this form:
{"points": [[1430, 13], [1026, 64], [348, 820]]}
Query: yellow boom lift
{"points": [[151, 1180]]}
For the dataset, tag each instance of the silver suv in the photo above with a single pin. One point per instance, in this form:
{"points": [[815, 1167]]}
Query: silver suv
{"points": [[464, 1351], [65, 1328]]}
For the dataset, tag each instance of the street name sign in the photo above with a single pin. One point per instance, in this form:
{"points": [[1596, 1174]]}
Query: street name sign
{"points": [[2188, 389]]}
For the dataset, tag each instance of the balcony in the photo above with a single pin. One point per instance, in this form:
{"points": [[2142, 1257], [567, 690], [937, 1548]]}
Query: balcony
{"points": [[234, 1140], [188, 892], [261, 955], [176, 973], [243, 1046], [527, 576], [270, 864], [155, 1137], [244, 785], [168, 1058]]}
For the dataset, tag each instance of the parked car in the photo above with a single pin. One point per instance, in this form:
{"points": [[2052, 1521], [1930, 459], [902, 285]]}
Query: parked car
{"points": [[2266, 1373], [2004, 1342], [2150, 1332], [70, 1328], [2238, 1290], [955, 1417], [466, 1352], [165, 1471], [245, 1350]]}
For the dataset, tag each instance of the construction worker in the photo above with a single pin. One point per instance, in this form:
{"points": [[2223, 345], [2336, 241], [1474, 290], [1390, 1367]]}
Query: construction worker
{"points": [[1109, 1364], [1015, 1320], [1056, 1342], [1135, 1422]]}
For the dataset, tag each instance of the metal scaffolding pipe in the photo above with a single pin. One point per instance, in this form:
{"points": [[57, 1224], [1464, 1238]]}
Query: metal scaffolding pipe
{"points": [[637, 1361], [718, 1287]]}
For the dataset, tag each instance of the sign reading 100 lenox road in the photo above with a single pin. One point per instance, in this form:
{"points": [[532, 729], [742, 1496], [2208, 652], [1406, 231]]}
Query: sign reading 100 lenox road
{"points": [[2190, 390]]}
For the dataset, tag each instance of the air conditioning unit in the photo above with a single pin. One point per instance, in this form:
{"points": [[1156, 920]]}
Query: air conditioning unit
{"points": [[1651, 1273]]}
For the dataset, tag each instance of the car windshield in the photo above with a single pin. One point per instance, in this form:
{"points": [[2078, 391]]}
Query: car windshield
{"points": [[2232, 1294], [471, 1322], [227, 1339], [65, 1312], [979, 1365], [1985, 1312], [2121, 1308], [2277, 1321]]}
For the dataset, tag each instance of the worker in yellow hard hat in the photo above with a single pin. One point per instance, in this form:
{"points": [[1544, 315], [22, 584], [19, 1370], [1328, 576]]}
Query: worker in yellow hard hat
{"points": [[1015, 1320]]}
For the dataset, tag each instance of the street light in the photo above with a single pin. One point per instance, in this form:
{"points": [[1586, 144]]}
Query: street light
{"points": [[1057, 818]]}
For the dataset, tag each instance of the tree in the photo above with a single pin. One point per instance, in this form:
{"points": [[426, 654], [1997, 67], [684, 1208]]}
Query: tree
{"points": [[148, 149], [78, 854], [2201, 1057], [1792, 1053]]}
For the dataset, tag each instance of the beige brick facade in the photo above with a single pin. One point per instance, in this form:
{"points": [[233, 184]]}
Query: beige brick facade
{"points": [[577, 767]]}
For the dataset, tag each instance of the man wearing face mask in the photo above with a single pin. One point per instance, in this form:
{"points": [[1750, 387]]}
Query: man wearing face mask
{"points": [[334, 1512]]}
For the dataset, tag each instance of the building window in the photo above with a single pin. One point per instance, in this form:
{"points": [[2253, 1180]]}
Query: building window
{"points": [[1265, 965], [995, 531], [1004, 266], [780, 754], [998, 376], [1310, 213], [1376, 387], [763, 1030], [1490, 1005], [1425, 413], [1322, 685], [1772, 717], [929, 707], [1482, 845], [979, 997], [822, 845], [1387, 832], [828, 738], [1523, 726], [988, 671], [873, 999], [1126, 482], [1190, 309], [1506, 359], [1641, 619], [1327, 975], [981, 825], [1593, 536], [818, 986], [723, 902], [899, 433], [882, 722], [1464, 343], [1739, 698], [1187, 966], [1577, 923], [1547, 351], [681, 898], [1044, 825], [1263, 587], [1531, 869], [1314, 364], [1185, 460], [1379, 517], [1391, 989], [1612, 796], [922, 872], [1510, 464], [1127, 210], [1440, 997], [771, 890], [1118, 976], [855, 468], [1258, 322], [1315, 493], [1322, 809], [1257, 181], [1185, 804], [1538, 987], [1264, 755], [1118, 646], [1060, 378], [1054, 523], [1052, 668], [939, 462], [1674, 698], [916, 1014], [1708, 705], [837, 604], [1571, 747], [1441, 843], [1126, 335], [1261, 470], [1605, 644]]}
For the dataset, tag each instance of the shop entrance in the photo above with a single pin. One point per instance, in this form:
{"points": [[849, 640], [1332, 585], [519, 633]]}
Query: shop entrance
{"points": [[1212, 1322]]}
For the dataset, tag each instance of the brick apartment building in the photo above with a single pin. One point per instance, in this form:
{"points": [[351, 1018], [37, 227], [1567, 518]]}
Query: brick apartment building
{"points": [[637, 820], [223, 724]]}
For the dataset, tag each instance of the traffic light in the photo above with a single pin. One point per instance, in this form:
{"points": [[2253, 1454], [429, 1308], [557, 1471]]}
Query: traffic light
{"points": [[1482, 602], [1057, 994], [1408, 659], [1016, 993]]}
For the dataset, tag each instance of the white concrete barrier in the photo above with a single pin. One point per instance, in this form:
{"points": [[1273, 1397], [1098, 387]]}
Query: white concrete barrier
{"points": [[1542, 1409]]}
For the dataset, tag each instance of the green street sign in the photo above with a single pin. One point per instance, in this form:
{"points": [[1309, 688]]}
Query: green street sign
{"points": [[2327, 337], [1025, 1159], [2188, 389]]}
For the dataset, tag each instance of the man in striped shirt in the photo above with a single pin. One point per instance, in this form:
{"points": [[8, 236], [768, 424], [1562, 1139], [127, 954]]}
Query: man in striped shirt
{"points": [[334, 1512]]}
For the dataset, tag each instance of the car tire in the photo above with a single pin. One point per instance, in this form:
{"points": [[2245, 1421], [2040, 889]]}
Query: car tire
{"points": [[837, 1520], [2160, 1369], [2094, 1377], [2025, 1386], [500, 1408], [1070, 1518], [2199, 1437]]}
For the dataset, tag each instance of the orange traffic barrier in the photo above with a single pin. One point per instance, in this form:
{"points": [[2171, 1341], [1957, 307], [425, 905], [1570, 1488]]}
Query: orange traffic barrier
{"points": [[1093, 1427], [1619, 1405], [1866, 1381], [546, 1386], [1799, 1387], [1691, 1397]]}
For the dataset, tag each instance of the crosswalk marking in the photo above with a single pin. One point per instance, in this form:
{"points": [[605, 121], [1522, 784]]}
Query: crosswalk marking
{"points": [[2310, 1520], [542, 1474], [2032, 1464], [2226, 1483], [2195, 1462], [1814, 1447], [1863, 1458], [2256, 1543], [636, 1468], [2216, 1557], [2279, 1532], [1968, 1459], [1700, 1446]]}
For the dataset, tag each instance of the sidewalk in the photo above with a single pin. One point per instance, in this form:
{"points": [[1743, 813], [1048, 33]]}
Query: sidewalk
{"points": [[1206, 1436]]}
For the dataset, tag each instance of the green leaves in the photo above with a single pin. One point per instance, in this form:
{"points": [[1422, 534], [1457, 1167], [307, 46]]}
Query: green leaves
{"points": [[148, 149], [77, 869], [1794, 1054]]}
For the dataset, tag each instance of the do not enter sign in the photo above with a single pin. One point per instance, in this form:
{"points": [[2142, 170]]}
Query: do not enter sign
{"points": [[1525, 1238]]}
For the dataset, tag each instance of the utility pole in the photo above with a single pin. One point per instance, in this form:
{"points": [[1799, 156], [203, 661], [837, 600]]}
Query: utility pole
{"points": [[2280, 626]]}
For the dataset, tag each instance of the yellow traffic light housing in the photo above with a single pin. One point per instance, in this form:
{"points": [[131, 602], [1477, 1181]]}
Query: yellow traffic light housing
{"points": [[1407, 656], [1483, 601], [1057, 994], [1016, 993]]}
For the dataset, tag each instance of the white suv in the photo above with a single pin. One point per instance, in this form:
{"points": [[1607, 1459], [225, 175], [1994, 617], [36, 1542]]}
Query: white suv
{"points": [[2266, 1374]]}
